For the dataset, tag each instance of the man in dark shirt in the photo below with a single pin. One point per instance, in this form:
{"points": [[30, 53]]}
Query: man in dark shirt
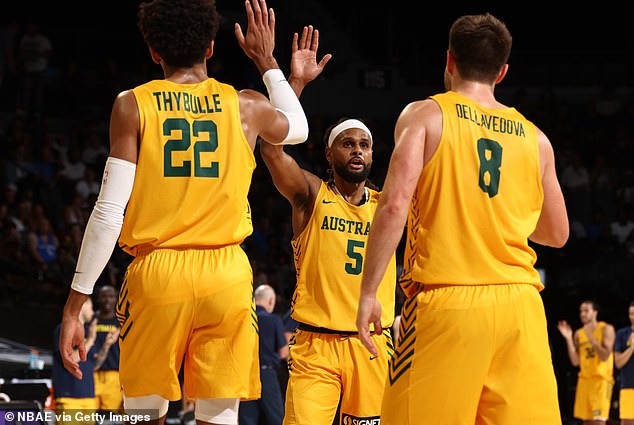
{"points": [[273, 348], [623, 349], [107, 387], [72, 394]]}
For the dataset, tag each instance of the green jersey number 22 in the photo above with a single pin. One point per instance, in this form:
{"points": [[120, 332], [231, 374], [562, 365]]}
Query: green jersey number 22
{"points": [[198, 130]]}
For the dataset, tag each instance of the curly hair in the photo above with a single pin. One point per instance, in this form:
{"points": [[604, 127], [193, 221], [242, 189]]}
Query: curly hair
{"points": [[180, 31]]}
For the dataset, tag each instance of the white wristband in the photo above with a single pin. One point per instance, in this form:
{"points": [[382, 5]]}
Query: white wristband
{"points": [[284, 99], [104, 224]]}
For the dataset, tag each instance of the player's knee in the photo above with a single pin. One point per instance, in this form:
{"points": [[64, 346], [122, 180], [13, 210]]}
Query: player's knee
{"points": [[217, 410], [153, 405]]}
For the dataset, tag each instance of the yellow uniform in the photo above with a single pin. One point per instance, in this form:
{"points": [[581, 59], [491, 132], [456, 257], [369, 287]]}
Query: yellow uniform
{"points": [[74, 411], [188, 293], [595, 379], [470, 281], [326, 357]]}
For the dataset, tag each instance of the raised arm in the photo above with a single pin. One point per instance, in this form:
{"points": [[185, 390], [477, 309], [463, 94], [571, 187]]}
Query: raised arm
{"points": [[280, 120], [299, 186], [571, 341], [553, 227]]}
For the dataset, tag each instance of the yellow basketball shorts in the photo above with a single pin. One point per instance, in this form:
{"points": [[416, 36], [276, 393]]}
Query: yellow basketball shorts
{"points": [[592, 399], [192, 308], [72, 411], [108, 390], [472, 354], [626, 403], [324, 368]]}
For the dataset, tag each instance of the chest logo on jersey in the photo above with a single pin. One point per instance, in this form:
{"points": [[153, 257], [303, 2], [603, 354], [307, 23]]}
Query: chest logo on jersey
{"points": [[343, 225]]}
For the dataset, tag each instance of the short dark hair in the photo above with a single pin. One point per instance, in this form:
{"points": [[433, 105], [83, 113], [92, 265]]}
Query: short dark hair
{"points": [[593, 303], [480, 46], [180, 31]]}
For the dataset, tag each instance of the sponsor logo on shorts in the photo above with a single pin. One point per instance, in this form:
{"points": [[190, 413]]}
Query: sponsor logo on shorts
{"points": [[355, 420]]}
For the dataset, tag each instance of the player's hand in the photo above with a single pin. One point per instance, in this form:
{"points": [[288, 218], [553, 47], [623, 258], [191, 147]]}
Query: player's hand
{"points": [[369, 313], [112, 336], [304, 66], [259, 42], [72, 335], [564, 329], [92, 330]]}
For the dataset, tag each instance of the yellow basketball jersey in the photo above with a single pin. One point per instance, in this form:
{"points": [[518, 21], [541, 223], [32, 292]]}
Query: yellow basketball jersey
{"points": [[590, 366], [477, 201], [329, 256], [194, 169]]}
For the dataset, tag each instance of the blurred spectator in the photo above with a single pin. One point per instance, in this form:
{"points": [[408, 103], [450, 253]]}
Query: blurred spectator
{"points": [[575, 176], [273, 348], [625, 192], [95, 150], [88, 186], [107, 387], [73, 170], [34, 52], [42, 245], [622, 226], [8, 34], [72, 394]]}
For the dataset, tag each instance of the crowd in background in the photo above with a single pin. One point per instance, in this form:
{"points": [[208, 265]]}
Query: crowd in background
{"points": [[54, 142]]}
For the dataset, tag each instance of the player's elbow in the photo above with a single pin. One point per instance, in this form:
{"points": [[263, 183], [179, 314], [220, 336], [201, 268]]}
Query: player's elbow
{"points": [[297, 129], [560, 237]]}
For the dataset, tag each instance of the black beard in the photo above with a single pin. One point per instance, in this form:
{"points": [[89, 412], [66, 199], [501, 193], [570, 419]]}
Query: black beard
{"points": [[352, 176]]}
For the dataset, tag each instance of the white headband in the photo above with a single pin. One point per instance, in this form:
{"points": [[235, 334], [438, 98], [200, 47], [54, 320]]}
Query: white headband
{"points": [[347, 124]]}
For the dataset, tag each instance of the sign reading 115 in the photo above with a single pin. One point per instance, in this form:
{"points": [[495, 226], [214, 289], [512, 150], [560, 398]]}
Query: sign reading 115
{"points": [[198, 129]]}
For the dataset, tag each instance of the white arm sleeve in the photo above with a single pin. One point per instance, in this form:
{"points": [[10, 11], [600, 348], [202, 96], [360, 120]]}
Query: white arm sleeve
{"points": [[284, 99], [104, 224]]}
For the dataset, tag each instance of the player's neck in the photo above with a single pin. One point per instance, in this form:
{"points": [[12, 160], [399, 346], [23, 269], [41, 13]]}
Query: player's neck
{"points": [[106, 314], [353, 193], [481, 93], [186, 75]]}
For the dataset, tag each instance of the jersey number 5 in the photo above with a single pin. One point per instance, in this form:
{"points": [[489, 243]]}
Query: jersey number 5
{"points": [[490, 155], [198, 130], [356, 267]]}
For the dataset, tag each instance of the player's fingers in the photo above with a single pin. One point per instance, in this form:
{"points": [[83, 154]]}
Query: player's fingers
{"points": [[250, 14], [309, 37], [257, 12], [239, 35], [302, 41], [322, 63], [264, 11], [70, 364], [294, 44], [378, 328], [314, 40], [81, 348], [271, 19], [366, 340]]}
